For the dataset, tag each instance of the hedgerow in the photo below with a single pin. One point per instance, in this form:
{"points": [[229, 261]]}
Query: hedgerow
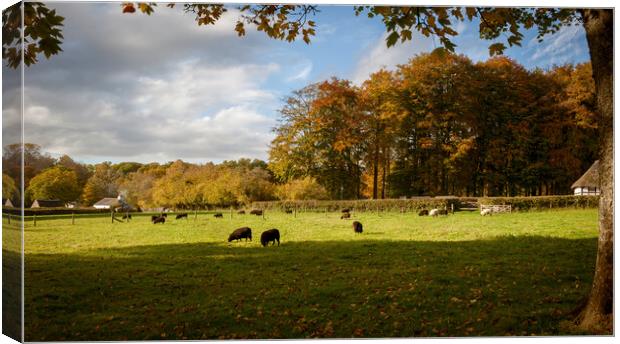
{"points": [[414, 204]]}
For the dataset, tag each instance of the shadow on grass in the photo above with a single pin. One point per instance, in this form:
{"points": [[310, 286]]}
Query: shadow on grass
{"points": [[360, 288], [11, 280]]}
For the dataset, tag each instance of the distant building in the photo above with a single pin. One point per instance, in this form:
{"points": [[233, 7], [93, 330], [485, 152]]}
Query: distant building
{"points": [[107, 203], [6, 202], [588, 184], [47, 203]]}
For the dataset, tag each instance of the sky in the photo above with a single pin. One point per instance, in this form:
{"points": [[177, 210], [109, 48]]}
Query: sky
{"points": [[131, 87]]}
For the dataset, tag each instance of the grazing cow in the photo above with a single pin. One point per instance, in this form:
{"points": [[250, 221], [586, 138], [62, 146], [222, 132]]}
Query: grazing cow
{"points": [[182, 215], [268, 236], [153, 217], [256, 212], [241, 212], [486, 212], [357, 227], [345, 216], [345, 210], [443, 212], [423, 212], [241, 233], [218, 215], [127, 216], [288, 211], [159, 219]]}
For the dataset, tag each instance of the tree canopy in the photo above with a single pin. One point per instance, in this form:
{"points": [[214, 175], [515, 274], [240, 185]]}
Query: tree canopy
{"points": [[54, 183], [441, 125]]}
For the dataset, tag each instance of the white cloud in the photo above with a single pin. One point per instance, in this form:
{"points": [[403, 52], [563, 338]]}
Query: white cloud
{"points": [[303, 72], [380, 56], [194, 112], [558, 48], [131, 90]]}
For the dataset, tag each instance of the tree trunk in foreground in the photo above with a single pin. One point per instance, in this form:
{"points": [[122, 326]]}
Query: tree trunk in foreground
{"points": [[597, 316]]}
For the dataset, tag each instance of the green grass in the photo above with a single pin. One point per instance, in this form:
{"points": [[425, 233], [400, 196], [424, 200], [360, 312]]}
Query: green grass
{"points": [[461, 275]]}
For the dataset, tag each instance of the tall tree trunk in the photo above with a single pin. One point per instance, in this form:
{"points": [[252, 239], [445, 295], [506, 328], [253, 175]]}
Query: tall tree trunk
{"points": [[375, 171], [597, 314], [386, 166]]}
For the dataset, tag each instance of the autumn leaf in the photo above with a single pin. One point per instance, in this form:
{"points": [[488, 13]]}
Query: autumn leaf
{"points": [[128, 8]]}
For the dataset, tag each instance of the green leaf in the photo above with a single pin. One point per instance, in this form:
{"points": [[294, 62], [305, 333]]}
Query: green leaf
{"points": [[392, 39]]}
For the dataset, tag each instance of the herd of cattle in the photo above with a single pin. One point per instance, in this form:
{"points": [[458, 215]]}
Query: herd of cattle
{"points": [[269, 236], [273, 235]]}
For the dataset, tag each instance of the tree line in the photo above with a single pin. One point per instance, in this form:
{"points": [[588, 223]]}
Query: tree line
{"points": [[441, 125], [438, 125], [176, 184]]}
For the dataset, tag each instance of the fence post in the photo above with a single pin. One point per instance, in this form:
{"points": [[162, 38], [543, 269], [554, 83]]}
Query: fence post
{"points": [[112, 215], [263, 212], [231, 212], [295, 210], [195, 214], [34, 217], [72, 218]]}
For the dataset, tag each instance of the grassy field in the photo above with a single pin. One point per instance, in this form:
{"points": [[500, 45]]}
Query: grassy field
{"points": [[461, 275]]}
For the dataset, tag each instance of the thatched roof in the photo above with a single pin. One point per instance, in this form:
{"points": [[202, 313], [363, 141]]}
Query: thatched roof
{"points": [[589, 179]]}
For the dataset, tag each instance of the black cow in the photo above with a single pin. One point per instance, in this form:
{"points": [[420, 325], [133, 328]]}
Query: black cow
{"points": [[182, 215], [345, 210], [159, 219], [288, 211], [357, 227], [240, 233], [241, 212], [153, 217], [256, 212], [218, 215], [423, 212], [345, 216], [268, 236]]}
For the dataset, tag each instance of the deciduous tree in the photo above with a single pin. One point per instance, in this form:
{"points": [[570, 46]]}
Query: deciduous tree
{"points": [[103, 183], [9, 188], [54, 183], [302, 189]]}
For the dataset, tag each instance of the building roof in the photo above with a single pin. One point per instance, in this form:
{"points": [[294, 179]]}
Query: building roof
{"points": [[48, 203], [589, 179], [111, 201]]}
